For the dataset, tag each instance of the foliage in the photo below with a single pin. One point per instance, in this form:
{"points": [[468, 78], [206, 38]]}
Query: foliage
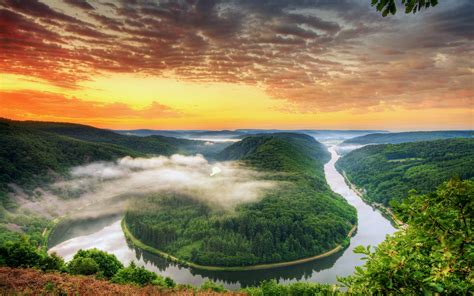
{"points": [[30, 157], [272, 288], [212, 286], [154, 144], [388, 172], [389, 6], [134, 275], [34, 153], [434, 254], [53, 262], [107, 264], [83, 265], [22, 253], [302, 218], [404, 137], [33, 282]]}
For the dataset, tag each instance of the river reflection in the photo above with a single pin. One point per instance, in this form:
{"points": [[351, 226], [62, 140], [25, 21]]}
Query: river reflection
{"points": [[106, 234]]}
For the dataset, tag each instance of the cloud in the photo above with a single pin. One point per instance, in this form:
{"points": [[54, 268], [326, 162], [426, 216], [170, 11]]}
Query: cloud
{"points": [[98, 182], [22, 103], [316, 55], [80, 3]]}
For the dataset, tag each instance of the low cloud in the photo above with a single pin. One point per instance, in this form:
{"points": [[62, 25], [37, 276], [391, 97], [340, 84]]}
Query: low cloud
{"points": [[99, 182]]}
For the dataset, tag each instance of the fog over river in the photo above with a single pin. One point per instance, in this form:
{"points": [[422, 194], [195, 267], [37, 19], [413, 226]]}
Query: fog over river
{"points": [[106, 234]]}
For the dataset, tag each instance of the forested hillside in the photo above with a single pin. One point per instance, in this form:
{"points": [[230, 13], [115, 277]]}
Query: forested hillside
{"points": [[34, 153], [397, 138], [430, 257], [299, 219], [388, 172], [154, 144], [30, 157]]}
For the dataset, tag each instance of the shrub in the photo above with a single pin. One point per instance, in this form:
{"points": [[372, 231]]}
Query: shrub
{"points": [[20, 254], [83, 265], [135, 275], [210, 285], [52, 262], [108, 264]]}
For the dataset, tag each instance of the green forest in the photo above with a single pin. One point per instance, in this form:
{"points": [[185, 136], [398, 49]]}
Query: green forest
{"points": [[389, 172], [35, 153], [155, 145], [432, 256], [303, 218], [404, 137]]}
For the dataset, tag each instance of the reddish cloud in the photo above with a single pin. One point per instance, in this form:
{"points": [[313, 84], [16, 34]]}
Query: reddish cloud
{"points": [[36, 104], [316, 55]]}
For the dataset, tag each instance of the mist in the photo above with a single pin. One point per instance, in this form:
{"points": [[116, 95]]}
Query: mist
{"points": [[93, 186]]}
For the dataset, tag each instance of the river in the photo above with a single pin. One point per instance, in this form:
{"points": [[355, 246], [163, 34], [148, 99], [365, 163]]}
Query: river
{"points": [[107, 235]]}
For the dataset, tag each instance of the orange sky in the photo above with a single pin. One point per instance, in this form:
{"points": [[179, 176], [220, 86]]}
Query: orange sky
{"points": [[221, 65]]}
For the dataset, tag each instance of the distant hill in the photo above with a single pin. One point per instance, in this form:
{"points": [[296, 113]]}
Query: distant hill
{"points": [[30, 157], [151, 144], [33, 151], [320, 135], [273, 151], [387, 172], [301, 218], [397, 138]]}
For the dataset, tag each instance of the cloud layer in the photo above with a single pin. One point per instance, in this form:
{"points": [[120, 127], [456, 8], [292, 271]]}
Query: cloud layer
{"points": [[317, 55], [98, 182], [45, 104]]}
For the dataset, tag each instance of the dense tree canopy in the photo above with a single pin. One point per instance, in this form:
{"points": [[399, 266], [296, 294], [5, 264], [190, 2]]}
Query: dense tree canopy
{"points": [[106, 264], [388, 172], [301, 218], [35, 153], [404, 137]]}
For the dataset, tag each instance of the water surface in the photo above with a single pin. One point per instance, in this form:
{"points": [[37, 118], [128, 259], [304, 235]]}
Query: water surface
{"points": [[372, 229]]}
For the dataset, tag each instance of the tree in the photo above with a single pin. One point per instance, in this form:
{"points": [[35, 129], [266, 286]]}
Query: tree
{"points": [[83, 265], [137, 275], [108, 264], [411, 6], [20, 254], [433, 255]]}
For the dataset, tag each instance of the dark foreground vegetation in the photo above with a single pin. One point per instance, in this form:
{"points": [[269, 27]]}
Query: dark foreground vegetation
{"points": [[433, 255], [388, 172], [397, 138], [301, 218]]}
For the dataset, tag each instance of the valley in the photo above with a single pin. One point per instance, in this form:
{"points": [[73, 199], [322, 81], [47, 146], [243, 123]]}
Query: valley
{"points": [[244, 213], [372, 229]]}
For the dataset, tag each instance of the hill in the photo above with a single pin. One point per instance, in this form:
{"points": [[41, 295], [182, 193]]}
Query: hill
{"points": [[388, 172], [35, 153], [299, 219], [152, 144], [406, 263], [397, 138], [30, 157], [252, 148]]}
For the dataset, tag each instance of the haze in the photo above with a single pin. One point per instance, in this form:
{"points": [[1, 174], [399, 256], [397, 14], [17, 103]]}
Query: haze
{"points": [[97, 182]]}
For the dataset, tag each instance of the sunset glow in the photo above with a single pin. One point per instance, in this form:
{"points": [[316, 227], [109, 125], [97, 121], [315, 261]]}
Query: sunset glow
{"points": [[237, 64]]}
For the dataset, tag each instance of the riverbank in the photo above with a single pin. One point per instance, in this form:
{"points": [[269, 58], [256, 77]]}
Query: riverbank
{"points": [[137, 243], [387, 212]]}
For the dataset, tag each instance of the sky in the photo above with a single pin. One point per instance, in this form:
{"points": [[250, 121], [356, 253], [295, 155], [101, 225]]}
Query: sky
{"points": [[228, 64]]}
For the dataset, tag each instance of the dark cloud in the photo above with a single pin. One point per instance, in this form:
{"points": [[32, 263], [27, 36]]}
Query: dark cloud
{"points": [[315, 54], [80, 3]]}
